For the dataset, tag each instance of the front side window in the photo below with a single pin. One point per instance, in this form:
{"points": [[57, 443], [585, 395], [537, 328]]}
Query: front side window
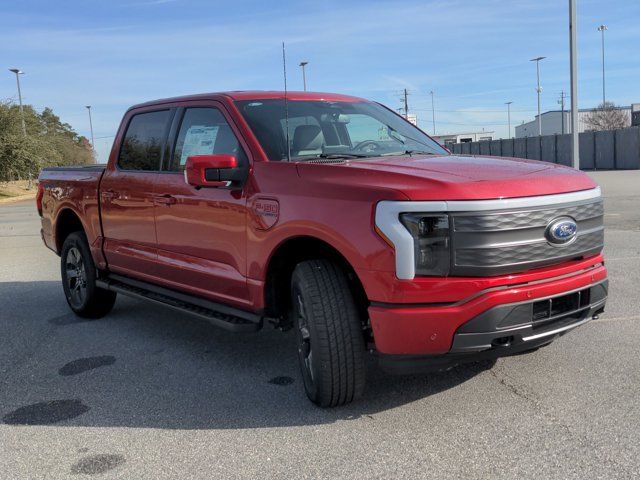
{"points": [[320, 128], [205, 131], [142, 145]]}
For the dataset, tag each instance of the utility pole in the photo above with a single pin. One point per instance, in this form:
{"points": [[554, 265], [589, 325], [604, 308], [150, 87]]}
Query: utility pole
{"points": [[602, 29], [561, 102], [539, 90], [406, 104], [573, 62], [19, 72], [93, 147], [508, 104], [433, 113], [304, 75]]}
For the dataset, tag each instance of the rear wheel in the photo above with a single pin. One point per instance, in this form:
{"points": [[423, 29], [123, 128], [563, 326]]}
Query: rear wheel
{"points": [[329, 335], [79, 279]]}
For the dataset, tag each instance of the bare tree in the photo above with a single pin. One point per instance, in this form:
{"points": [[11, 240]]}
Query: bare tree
{"points": [[607, 117]]}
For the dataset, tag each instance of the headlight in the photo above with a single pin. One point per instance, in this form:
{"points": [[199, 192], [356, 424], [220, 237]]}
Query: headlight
{"points": [[431, 242]]}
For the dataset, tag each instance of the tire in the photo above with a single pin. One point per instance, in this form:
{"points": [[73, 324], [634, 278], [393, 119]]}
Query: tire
{"points": [[330, 340], [79, 279]]}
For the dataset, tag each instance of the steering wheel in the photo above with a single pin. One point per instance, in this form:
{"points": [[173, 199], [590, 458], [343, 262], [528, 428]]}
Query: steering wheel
{"points": [[368, 146]]}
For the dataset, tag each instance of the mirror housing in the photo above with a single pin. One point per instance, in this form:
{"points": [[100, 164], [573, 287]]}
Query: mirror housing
{"points": [[210, 170]]}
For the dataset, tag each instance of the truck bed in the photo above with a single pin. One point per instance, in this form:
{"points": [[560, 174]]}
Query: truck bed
{"points": [[70, 190]]}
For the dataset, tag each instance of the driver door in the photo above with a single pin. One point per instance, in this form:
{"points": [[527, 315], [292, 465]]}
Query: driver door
{"points": [[201, 233]]}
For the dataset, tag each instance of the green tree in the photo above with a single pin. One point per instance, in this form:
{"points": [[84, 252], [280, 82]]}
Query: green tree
{"points": [[48, 142]]}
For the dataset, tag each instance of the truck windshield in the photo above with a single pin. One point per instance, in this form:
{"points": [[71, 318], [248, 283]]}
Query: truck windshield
{"points": [[320, 129]]}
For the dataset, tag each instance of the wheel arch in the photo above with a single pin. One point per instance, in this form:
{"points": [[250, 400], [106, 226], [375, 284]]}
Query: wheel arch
{"points": [[283, 261], [67, 222]]}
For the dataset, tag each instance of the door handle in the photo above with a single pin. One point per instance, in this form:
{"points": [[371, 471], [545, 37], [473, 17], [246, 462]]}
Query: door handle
{"points": [[109, 194], [165, 200]]}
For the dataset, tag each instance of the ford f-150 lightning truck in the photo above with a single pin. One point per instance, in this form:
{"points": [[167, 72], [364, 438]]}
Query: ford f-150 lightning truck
{"points": [[335, 217]]}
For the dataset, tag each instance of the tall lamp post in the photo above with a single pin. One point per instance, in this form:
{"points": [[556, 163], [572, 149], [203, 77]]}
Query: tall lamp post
{"points": [[573, 68], [539, 90], [602, 29], [304, 75], [508, 104], [88, 107], [433, 112], [19, 72]]}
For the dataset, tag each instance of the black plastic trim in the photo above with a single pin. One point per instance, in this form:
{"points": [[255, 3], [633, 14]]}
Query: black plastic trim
{"points": [[224, 316]]}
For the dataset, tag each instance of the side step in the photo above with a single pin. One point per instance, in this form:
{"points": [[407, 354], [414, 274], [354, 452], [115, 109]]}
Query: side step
{"points": [[222, 316]]}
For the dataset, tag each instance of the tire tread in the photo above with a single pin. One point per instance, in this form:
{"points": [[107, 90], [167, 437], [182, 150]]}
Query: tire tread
{"points": [[340, 339]]}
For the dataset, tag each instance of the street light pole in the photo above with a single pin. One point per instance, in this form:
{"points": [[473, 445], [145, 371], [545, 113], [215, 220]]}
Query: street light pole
{"points": [[304, 76], [539, 90], [508, 104], [19, 72], [93, 147], [573, 62], [433, 112], [602, 29]]}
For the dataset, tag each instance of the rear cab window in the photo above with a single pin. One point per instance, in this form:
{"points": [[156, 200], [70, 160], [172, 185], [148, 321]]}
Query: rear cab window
{"points": [[144, 140]]}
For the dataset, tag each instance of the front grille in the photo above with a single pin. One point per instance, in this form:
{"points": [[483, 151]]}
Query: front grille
{"points": [[559, 309], [527, 219], [519, 254], [510, 241]]}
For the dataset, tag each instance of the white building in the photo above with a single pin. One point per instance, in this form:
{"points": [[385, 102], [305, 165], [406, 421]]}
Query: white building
{"points": [[552, 122], [450, 138]]}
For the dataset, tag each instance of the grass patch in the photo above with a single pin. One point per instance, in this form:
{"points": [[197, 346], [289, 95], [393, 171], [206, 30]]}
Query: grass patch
{"points": [[16, 189]]}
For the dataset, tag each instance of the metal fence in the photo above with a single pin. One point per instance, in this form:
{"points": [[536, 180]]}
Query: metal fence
{"points": [[606, 150]]}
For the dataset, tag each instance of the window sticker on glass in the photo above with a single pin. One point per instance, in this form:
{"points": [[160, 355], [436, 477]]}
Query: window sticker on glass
{"points": [[199, 140]]}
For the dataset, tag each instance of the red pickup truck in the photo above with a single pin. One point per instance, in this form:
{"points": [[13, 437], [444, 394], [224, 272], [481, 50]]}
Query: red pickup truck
{"points": [[334, 216]]}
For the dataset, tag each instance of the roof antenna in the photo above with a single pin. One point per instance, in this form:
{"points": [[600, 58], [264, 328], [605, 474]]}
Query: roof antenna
{"points": [[286, 103]]}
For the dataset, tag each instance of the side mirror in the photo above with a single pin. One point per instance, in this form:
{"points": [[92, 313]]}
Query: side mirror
{"points": [[210, 170]]}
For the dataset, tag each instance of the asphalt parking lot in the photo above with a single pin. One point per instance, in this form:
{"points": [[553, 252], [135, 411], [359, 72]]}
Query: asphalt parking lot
{"points": [[147, 393]]}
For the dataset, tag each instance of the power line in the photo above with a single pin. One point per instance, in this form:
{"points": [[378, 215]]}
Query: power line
{"points": [[469, 111]]}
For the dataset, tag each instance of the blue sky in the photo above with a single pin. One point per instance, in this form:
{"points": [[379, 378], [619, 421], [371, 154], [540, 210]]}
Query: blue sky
{"points": [[474, 54]]}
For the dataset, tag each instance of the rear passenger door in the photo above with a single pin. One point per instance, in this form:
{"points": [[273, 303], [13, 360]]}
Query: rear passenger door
{"points": [[202, 232], [127, 193]]}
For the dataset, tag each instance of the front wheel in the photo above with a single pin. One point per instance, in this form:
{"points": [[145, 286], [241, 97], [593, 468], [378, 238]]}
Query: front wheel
{"points": [[79, 279], [330, 340]]}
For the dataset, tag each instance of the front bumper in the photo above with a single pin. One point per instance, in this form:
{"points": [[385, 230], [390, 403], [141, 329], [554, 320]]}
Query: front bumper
{"points": [[489, 317], [508, 330]]}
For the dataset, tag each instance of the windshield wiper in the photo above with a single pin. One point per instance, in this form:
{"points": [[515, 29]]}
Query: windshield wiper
{"points": [[335, 156], [411, 152]]}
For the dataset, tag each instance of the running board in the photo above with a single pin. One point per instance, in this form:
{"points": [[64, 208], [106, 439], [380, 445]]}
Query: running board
{"points": [[223, 316]]}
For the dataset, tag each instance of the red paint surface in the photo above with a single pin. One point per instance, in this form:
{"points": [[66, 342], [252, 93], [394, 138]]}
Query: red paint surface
{"points": [[217, 242], [429, 330]]}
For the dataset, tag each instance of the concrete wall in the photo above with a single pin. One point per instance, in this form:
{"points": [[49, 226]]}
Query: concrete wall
{"points": [[606, 150]]}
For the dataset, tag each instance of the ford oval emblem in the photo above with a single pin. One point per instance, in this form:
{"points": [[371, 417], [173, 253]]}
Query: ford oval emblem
{"points": [[561, 231]]}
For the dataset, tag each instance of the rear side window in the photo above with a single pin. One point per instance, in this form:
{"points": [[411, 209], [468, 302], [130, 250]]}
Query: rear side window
{"points": [[205, 131], [142, 145]]}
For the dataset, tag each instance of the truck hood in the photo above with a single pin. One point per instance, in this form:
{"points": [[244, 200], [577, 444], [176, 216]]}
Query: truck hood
{"points": [[453, 177]]}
